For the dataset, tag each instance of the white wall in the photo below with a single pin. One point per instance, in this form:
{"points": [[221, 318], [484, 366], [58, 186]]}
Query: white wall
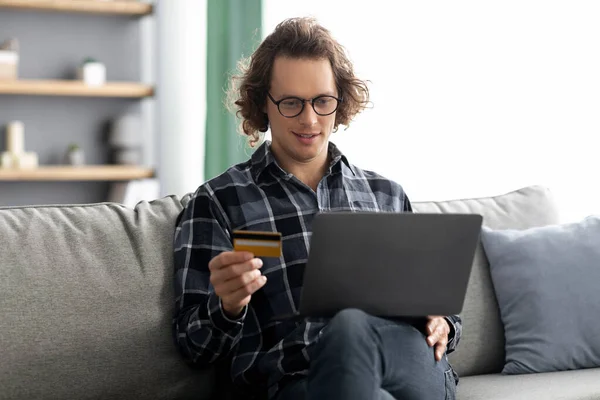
{"points": [[181, 91], [472, 98]]}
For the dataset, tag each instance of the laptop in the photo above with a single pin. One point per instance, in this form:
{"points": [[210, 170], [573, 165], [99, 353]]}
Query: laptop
{"points": [[388, 264]]}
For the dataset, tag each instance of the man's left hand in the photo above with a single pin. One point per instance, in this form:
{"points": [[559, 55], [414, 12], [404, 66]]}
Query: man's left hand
{"points": [[437, 329]]}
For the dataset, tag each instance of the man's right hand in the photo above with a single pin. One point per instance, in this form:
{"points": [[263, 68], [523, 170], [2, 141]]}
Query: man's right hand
{"points": [[235, 276]]}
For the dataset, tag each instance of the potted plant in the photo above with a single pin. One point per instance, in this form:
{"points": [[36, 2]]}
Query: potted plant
{"points": [[92, 72], [75, 155], [9, 59]]}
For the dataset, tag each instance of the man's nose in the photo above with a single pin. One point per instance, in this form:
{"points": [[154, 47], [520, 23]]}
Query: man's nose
{"points": [[308, 116]]}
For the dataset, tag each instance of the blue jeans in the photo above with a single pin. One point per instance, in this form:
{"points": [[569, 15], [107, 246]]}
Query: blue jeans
{"points": [[359, 356]]}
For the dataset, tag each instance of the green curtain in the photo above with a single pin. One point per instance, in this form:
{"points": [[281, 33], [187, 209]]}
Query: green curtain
{"points": [[233, 31]]}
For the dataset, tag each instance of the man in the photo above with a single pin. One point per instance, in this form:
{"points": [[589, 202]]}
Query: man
{"points": [[300, 84]]}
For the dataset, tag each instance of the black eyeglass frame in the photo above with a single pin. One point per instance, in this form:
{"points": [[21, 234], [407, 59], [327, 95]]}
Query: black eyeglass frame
{"points": [[304, 101]]}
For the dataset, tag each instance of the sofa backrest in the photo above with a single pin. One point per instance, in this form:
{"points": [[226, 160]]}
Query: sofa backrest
{"points": [[86, 304], [481, 349], [86, 298]]}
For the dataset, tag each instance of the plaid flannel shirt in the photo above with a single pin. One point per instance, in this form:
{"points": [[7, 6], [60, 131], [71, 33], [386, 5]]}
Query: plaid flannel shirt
{"points": [[259, 195]]}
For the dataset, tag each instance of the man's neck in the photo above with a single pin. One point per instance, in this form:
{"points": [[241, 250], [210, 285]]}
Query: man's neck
{"points": [[309, 173]]}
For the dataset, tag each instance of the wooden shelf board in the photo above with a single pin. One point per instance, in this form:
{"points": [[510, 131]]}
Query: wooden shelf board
{"points": [[74, 88], [132, 8], [80, 173]]}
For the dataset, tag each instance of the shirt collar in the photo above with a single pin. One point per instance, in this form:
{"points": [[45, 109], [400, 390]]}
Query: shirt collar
{"points": [[336, 157], [263, 157]]}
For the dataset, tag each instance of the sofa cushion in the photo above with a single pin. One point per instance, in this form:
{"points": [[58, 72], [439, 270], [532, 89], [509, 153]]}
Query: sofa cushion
{"points": [[86, 303], [481, 350], [568, 385], [546, 282]]}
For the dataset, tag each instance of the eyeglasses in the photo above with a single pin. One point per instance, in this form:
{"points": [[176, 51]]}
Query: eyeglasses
{"points": [[291, 107]]}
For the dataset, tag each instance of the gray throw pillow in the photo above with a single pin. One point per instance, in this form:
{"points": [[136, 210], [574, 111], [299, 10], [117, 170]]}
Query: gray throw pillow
{"points": [[547, 282]]}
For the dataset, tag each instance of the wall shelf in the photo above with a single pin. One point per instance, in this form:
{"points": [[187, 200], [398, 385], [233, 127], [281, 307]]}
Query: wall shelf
{"points": [[75, 88], [80, 173], [132, 8]]}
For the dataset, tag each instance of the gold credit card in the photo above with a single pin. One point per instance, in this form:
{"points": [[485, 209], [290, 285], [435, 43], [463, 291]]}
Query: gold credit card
{"points": [[261, 244]]}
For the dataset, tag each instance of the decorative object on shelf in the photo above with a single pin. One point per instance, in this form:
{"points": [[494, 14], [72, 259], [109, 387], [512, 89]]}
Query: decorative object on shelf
{"points": [[75, 155], [15, 155], [9, 59], [92, 72], [125, 138]]}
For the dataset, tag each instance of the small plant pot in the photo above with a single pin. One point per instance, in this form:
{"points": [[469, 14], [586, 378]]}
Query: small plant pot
{"points": [[9, 62], [76, 157], [92, 74]]}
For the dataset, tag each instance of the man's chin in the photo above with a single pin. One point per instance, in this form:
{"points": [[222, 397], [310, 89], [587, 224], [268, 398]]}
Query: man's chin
{"points": [[310, 155]]}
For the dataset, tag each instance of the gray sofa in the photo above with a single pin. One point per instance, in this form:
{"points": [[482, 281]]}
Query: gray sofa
{"points": [[86, 303]]}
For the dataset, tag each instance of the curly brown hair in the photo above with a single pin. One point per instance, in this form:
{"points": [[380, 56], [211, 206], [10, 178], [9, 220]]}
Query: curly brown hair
{"points": [[295, 38]]}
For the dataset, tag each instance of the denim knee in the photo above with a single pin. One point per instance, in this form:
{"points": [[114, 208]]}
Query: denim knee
{"points": [[349, 320], [347, 326], [346, 337]]}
